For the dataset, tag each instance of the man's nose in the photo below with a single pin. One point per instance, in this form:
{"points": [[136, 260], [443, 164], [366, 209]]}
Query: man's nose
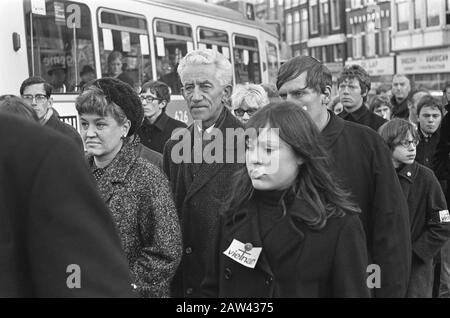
{"points": [[196, 94]]}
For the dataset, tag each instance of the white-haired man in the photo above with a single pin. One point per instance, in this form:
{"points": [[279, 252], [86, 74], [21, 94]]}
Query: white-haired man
{"points": [[199, 188]]}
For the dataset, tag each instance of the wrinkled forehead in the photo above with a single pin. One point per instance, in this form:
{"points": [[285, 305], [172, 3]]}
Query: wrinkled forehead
{"points": [[400, 80]]}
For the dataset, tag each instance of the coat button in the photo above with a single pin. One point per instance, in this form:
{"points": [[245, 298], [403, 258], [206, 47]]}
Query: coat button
{"points": [[189, 291], [228, 273], [408, 174], [188, 250], [269, 280]]}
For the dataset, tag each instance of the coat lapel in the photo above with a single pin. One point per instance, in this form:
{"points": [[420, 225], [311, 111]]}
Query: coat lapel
{"points": [[286, 239], [247, 231], [207, 171], [117, 170]]}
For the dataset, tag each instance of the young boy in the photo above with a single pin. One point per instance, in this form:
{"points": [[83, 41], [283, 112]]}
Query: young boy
{"points": [[429, 217]]}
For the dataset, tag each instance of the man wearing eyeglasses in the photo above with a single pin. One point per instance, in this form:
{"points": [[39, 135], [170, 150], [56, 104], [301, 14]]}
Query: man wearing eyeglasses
{"points": [[157, 127], [37, 93], [354, 86]]}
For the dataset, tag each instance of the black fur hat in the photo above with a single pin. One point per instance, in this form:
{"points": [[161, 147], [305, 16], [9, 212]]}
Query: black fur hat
{"points": [[125, 97]]}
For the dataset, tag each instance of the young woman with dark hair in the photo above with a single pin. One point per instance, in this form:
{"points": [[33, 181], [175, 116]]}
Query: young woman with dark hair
{"points": [[290, 230]]}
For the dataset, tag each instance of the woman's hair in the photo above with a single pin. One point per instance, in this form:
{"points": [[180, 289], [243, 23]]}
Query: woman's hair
{"points": [[396, 130], [93, 101], [314, 182], [379, 101], [254, 95], [14, 105], [224, 69]]}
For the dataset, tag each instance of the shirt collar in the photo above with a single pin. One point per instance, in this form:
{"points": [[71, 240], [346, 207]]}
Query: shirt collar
{"points": [[357, 114]]}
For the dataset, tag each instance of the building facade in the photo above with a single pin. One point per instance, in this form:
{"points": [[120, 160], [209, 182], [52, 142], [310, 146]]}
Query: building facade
{"points": [[369, 38], [421, 41], [327, 33]]}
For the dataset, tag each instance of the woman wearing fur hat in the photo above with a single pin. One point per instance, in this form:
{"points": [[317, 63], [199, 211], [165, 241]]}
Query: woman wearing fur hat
{"points": [[136, 191]]}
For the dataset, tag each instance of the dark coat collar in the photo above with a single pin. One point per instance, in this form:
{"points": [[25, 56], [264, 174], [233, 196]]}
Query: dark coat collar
{"points": [[409, 172], [358, 114], [243, 225], [333, 130], [208, 171]]}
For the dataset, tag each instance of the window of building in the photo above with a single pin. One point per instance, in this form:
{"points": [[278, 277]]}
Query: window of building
{"points": [[355, 4], [297, 27], [272, 61], [314, 16], [56, 51], [304, 25], [418, 10], [357, 41], [433, 12], [402, 7], [123, 38], [172, 41], [447, 11], [335, 14], [214, 39], [324, 18], [385, 41], [246, 60], [287, 4], [289, 28]]}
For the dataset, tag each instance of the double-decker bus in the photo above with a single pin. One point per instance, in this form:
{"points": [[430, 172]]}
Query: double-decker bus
{"points": [[58, 40]]}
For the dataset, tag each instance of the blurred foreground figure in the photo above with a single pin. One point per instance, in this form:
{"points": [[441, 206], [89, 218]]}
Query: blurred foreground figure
{"points": [[57, 238]]}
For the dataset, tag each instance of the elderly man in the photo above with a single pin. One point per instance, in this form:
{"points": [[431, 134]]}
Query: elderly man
{"points": [[201, 188], [37, 93], [363, 163], [354, 86], [400, 97]]}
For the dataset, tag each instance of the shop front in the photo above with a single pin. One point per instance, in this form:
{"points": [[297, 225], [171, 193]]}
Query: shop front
{"points": [[429, 69]]}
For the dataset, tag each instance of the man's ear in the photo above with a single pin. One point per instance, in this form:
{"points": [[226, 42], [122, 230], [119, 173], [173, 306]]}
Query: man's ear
{"points": [[50, 102], [163, 104], [227, 91], [326, 95]]}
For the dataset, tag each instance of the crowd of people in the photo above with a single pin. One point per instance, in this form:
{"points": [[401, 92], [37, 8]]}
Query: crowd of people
{"points": [[316, 196]]}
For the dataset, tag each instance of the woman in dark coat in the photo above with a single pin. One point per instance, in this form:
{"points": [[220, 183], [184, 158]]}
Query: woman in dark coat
{"points": [[136, 191], [290, 230]]}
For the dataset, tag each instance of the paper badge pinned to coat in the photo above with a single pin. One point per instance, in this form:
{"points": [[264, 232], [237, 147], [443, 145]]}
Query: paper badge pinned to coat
{"points": [[243, 253]]}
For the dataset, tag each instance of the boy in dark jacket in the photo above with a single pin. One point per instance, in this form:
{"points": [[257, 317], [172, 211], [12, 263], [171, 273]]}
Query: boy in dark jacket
{"points": [[429, 217]]}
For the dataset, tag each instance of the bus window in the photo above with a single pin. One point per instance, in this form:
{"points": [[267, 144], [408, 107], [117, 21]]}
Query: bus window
{"points": [[272, 61], [214, 39], [61, 37], [246, 60], [124, 47], [173, 41]]}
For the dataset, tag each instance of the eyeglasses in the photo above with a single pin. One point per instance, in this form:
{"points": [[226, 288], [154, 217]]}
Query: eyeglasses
{"points": [[240, 112], [148, 99], [408, 143], [39, 98]]}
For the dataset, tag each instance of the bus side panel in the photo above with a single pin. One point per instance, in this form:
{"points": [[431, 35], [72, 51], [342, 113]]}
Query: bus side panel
{"points": [[13, 65]]}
